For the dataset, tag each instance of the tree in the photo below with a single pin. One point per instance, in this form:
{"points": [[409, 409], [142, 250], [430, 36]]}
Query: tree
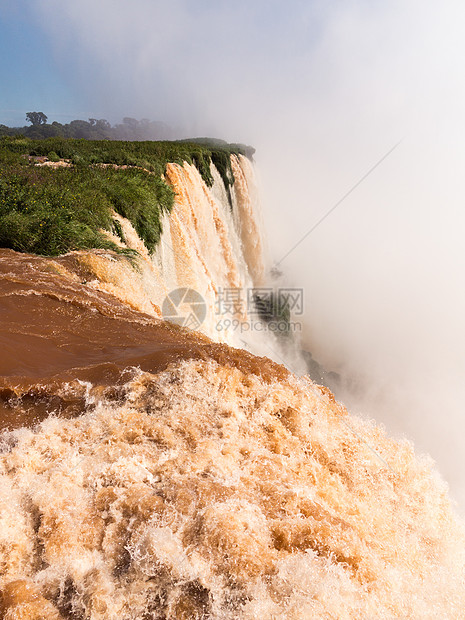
{"points": [[79, 129], [102, 123], [131, 122], [36, 118]]}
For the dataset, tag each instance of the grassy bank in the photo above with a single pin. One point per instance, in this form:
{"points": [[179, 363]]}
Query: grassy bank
{"points": [[51, 211]]}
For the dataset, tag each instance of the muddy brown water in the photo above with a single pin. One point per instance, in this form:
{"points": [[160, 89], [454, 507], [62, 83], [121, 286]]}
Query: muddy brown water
{"points": [[56, 329]]}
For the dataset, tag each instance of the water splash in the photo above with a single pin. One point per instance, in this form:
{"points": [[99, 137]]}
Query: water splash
{"points": [[162, 475], [207, 492]]}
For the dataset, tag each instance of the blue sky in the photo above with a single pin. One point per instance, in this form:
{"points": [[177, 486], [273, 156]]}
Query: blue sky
{"points": [[29, 77], [74, 60]]}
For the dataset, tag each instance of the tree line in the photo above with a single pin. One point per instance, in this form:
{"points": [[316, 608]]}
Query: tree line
{"points": [[92, 129]]}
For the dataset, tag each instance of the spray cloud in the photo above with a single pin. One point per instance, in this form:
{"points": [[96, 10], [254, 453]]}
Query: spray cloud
{"points": [[323, 91]]}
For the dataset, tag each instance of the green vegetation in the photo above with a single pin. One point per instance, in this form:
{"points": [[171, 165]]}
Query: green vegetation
{"points": [[92, 129], [52, 156], [51, 211], [36, 118]]}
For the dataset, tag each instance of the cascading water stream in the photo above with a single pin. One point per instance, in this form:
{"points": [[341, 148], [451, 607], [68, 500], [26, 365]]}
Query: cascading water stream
{"points": [[151, 472]]}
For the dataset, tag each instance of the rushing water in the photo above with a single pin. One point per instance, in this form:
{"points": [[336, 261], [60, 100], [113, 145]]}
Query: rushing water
{"points": [[149, 472]]}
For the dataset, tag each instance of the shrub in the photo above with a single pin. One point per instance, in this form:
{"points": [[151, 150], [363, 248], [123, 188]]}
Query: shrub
{"points": [[51, 211]]}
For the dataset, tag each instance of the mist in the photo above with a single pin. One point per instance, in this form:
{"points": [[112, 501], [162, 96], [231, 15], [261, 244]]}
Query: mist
{"points": [[323, 90]]}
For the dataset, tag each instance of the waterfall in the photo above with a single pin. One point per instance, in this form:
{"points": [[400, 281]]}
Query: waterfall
{"points": [[151, 471]]}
